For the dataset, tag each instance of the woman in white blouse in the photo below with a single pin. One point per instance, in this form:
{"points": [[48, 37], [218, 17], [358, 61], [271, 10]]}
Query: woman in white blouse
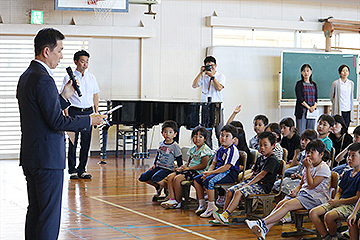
{"points": [[342, 95]]}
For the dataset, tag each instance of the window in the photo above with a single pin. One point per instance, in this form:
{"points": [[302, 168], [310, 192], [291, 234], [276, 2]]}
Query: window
{"points": [[252, 37], [15, 56], [271, 38]]}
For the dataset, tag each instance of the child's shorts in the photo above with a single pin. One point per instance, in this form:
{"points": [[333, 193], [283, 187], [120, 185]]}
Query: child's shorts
{"points": [[248, 190], [306, 200], [344, 210], [156, 175], [189, 174], [219, 178]]}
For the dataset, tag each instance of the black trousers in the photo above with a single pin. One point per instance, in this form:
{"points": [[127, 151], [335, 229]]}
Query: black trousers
{"points": [[44, 187], [346, 117], [85, 139]]}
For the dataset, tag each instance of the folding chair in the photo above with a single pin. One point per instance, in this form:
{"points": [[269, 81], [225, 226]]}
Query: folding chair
{"points": [[332, 158], [285, 154]]}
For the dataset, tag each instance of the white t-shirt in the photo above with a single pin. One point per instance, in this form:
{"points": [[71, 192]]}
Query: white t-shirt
{"points": [[321, 191], [345, 93], [216, 96], [88, 87]]}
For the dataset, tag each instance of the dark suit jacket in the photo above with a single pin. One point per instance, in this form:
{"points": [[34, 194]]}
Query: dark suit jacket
{"points": [[42, 120]]}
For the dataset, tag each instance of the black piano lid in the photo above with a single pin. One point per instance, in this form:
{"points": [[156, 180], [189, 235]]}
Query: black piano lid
{"points": [[148, 113]]}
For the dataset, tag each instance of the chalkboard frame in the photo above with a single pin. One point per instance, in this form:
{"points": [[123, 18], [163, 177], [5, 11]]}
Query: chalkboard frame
{"points": [[315, 59]]}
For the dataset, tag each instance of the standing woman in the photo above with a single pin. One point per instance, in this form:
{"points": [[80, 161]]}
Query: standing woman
{"points": [[306, 99], [342, 95]]}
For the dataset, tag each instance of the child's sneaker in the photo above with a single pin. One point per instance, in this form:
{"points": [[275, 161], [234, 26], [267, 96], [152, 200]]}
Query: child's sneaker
{"points": [[259, 232], [286, 218], [200, 209], [169, 203], [220, 201], [215, 222], [221, 218], [177, 206], [251, 224], [209, 212], [256, 228]]}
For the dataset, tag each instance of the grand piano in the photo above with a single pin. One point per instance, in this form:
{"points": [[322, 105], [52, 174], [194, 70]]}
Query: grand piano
{"points": [[142, 115]]}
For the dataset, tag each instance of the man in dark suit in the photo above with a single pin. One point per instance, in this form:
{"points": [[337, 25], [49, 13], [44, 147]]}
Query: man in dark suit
{"points": [[42, 153]]}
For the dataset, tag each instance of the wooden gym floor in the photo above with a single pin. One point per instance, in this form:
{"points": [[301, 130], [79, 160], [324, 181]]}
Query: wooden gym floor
{"points": [[112, 205]]}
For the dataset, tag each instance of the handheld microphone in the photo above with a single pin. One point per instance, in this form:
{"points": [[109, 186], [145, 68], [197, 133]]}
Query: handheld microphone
{"points": [[72, 77]]}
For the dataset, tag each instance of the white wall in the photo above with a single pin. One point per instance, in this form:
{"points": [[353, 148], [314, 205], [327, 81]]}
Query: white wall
{"points": [[171, 59]]}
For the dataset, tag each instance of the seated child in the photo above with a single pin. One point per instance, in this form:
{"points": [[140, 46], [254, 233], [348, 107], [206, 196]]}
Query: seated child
{"points": [[168, 151], [260, 121], [345, 199], [290, 140], [223, 169], [339, 136], [199, 156], [292, 176], [341, 157], [264, 175], [240, 143], [312, 191], [325, 125], [353, 222], [276, 130]]}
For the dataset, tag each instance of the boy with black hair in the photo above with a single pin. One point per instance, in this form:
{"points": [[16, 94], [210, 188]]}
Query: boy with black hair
{"points": [[325, 124], [263, 177], [168, 152], [344, 201], [260, 122], [223, 169]]}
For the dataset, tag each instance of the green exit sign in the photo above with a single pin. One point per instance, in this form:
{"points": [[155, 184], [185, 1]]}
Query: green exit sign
{"points": [[37, 17]]}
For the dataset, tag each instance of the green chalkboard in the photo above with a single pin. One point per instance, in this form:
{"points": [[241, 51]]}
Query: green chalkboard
{"points": [[325, 71]]}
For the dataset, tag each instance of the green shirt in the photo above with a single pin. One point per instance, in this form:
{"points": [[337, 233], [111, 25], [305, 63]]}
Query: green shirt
{"points": [[195, 156]]}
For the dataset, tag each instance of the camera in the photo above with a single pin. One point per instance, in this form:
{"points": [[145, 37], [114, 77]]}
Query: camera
{"points": [[208, 67]]}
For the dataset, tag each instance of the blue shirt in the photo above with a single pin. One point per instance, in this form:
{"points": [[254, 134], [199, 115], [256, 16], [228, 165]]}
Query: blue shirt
{"points": [[349, 185], [328, 143], [228, 155]]}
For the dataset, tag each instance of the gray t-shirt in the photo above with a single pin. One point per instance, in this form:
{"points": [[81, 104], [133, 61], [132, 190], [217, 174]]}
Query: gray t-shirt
{"points": [[166, 155]]}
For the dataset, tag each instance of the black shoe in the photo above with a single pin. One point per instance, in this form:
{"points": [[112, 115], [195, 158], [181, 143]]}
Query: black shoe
{"points": [[74, 176], [85, 175]]}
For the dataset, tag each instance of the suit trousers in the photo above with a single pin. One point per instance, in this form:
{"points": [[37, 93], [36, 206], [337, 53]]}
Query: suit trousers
{"points": [[85, 139], [43, 216]]}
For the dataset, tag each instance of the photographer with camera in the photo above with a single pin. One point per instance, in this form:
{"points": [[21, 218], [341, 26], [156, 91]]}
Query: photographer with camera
{"points": [[212, 83]]}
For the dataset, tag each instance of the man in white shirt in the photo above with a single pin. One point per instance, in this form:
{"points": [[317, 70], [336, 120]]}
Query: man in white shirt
{"points": [[212, 83], [87, 104]]}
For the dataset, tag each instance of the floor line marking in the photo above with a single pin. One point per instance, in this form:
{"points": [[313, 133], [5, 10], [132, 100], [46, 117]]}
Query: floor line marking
{"points": [[117, 229], [153, 218], [126, 195]]}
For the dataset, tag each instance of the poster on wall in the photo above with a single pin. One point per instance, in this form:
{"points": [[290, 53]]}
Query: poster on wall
{"points": [[88, 5]]}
